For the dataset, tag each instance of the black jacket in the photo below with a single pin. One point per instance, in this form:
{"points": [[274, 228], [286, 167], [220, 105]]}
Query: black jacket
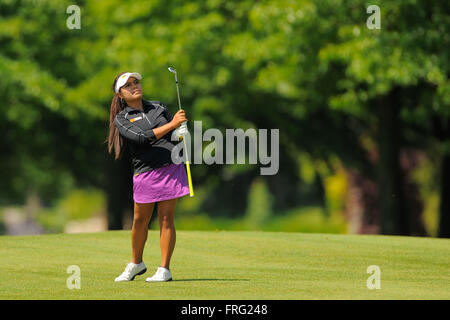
{"points": [[136, 126]]}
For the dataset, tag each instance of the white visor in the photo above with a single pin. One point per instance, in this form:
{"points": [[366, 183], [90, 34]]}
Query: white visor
{"points": [[124, 78]]}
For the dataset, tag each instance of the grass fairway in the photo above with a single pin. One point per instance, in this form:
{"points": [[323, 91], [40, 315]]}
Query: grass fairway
{"points": [[228, 265]]}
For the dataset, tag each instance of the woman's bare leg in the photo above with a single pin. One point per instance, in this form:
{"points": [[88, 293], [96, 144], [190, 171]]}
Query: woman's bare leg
{"points": [[167, 234], [139, 231]]}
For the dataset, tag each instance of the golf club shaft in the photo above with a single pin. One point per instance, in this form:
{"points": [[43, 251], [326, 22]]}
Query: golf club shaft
{"points": [[178, 92], [188, 168]]}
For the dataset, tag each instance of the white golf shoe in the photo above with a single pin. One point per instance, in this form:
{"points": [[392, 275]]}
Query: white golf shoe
{"points": [[161, 274], [132, 270]]}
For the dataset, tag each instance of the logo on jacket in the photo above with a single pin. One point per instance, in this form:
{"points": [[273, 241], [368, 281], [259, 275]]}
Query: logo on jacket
{"points": [[135, 119]]}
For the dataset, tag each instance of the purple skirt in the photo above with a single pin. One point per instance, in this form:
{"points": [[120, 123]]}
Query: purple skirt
{"points": [[160, 184]]}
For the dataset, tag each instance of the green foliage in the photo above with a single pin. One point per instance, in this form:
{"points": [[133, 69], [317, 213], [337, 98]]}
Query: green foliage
{"points": [[82, 204], [51, 220], [307, 168], [307, 219], [188, 206], [2, 224], [310, 220], [431, 214], [259, 207], [79, 204], [310, 68], [336, 190], [426, 175]]}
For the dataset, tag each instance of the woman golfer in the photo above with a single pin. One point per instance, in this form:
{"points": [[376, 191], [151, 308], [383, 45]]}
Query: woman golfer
{"points": [[146, 128]]}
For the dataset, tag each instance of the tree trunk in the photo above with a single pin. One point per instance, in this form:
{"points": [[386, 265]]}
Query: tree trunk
{"points": [[392, 213], [362, 210], [441, 130], [413, 205], [444, 220]]}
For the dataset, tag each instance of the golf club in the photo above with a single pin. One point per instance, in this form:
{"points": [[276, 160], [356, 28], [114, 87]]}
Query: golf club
{"points": [[183, 131]]}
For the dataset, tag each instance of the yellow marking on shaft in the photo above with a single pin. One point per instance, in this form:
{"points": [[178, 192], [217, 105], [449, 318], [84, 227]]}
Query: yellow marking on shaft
{"points": [[191, 189]]}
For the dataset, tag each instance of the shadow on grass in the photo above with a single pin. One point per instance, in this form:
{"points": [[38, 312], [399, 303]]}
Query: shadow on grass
{"points": [[210, 280]]}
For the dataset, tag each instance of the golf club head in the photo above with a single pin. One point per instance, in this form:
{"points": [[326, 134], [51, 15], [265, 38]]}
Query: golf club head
{"points": [[172, 70]]}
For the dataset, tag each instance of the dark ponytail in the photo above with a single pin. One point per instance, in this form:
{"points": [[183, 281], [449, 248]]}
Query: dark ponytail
{"points": [[115, 141]]}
